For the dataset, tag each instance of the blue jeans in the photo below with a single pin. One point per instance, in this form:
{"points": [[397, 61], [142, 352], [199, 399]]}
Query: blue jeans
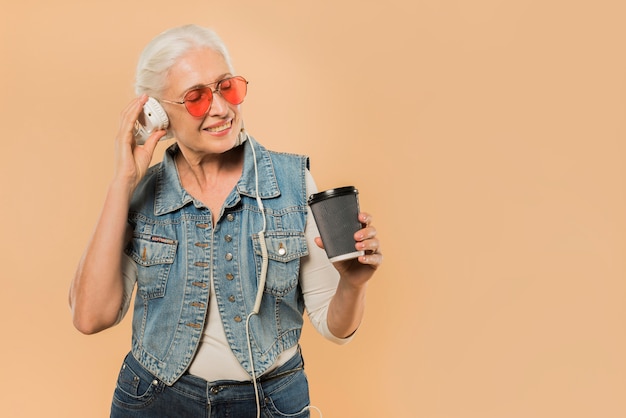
{"points": [[284, 392]]}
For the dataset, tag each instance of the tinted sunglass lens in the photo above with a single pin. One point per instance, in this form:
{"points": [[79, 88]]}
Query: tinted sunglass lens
{"points": [[198, 101], [234, 89]]}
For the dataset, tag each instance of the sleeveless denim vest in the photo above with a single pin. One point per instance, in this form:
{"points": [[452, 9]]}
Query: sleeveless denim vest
{"points": [[177, 250]]}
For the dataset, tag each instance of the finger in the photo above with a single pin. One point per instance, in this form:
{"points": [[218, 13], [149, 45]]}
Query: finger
{"points": [[319, 243], [130, 115], [132, 110], [153, 139], [366, 233], [365, 218], [144, 152], [374, 260], [370, 246]]}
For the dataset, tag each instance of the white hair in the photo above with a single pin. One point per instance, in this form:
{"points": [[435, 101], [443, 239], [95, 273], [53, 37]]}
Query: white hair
{"points": [[166, 48]]}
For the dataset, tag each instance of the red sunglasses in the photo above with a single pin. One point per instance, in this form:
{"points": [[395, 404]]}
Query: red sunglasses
{"points": [[198, 101]]}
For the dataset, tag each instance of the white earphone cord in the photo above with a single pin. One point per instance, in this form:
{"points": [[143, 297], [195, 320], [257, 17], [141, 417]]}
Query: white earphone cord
{"points": [[259, 295], [261, 288]]}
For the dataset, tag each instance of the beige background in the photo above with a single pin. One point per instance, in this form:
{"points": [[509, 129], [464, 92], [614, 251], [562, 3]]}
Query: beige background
{"points": [[486, 136]]}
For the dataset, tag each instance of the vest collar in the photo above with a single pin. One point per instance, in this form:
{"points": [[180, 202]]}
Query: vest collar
{"points": [[171, 196]]}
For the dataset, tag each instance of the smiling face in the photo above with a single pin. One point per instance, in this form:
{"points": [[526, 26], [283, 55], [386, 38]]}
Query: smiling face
{"points": [[215, 132]]}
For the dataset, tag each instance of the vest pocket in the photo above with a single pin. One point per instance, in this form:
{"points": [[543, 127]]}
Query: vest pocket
{"points": [[284, 248], [154, 256]]}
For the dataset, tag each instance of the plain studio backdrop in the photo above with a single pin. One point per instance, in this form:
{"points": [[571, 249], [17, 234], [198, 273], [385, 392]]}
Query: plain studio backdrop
{"points": [[486, 137]]}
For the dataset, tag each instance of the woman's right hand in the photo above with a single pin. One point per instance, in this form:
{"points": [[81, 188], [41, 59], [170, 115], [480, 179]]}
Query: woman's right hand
{"points": [[132, 160]]}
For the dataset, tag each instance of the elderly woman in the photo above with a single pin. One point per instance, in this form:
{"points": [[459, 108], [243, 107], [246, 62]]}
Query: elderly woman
{"points": [[196, 234]]}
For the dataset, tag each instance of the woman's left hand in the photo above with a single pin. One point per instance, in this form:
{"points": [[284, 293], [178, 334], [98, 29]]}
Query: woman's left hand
{"points": [[360, 270]]}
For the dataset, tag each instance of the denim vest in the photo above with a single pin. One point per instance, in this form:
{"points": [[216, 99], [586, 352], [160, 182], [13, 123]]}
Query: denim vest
{"points": [[177, 250]]}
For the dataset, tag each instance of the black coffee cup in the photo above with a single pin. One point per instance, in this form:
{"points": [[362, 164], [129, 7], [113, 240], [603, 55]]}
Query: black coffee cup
{"points": [[336, 214]]}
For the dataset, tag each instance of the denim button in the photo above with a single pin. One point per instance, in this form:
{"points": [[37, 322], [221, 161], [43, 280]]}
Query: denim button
{"points": [[231, 298], [202, 226], [229, 256], [229, 276], [230, 217], [228, 238], [237, 318]]}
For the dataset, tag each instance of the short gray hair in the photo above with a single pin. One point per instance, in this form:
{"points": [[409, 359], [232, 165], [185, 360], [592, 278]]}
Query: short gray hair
{"points": [[166, 48]]}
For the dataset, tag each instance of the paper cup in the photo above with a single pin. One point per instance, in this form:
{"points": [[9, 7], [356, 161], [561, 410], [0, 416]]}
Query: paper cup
{"points": [[336, 215]]}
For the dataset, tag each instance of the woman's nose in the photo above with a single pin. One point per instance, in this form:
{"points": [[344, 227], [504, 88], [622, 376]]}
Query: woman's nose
{"points": [[219, 105]]}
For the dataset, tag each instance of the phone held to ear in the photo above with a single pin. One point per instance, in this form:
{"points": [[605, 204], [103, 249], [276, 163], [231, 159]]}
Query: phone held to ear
{"points": [[153, 118]]}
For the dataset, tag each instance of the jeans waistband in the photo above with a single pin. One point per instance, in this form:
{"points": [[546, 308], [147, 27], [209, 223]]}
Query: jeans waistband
{"points": [[199, 388]]}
